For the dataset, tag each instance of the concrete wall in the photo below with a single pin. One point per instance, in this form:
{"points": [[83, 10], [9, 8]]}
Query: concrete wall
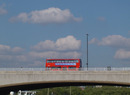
{"points": [[12, 78]]}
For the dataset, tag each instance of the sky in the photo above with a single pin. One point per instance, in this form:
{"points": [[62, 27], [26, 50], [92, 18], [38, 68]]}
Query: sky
{"points": [[33, 30]]}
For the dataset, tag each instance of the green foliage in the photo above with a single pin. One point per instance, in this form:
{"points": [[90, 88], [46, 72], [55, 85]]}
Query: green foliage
{"points": [[88, 90]]}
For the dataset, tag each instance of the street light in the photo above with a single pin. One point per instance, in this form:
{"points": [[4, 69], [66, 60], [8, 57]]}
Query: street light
{"points": [[87, 51]]}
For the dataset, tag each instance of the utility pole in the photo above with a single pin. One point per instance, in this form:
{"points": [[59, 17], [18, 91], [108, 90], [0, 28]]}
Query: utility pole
{"points": [[87, 51]]}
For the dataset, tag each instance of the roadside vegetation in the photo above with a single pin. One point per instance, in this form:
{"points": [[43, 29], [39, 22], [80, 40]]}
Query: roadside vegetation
{"points": [[88, 90]]}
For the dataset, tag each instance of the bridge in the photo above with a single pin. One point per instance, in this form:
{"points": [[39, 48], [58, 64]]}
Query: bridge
{"points": [[30, 78]]}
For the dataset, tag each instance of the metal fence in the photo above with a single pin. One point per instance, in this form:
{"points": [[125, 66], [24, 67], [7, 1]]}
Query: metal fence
{"points": [[65, 69]]}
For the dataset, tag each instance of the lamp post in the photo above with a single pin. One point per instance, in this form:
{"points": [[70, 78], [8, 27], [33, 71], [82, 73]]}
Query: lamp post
{"points": [[87, 51], [48, 92], [70, 90]]}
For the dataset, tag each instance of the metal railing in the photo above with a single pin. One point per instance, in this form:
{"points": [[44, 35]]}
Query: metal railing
{"points": [[65, 69]]}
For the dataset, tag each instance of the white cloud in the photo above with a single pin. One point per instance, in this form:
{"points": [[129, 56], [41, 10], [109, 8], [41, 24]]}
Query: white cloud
{"points": [[46, 45], [9, 56], [122, 54], [94, 41], [101, 18], [37, 64], [54, 54], [67, 47], [4, 49], [17, 49], [68, 43], [117, 41], [2, 10], [47, 16], [62, 44]]}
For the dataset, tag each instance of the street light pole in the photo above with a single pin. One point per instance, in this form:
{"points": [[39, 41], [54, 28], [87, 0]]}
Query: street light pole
{"points": [[48, 92], [70, 90], [87, 51]]}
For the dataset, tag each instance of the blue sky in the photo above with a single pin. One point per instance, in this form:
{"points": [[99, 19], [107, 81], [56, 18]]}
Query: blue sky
{"points": [[33, 30]]}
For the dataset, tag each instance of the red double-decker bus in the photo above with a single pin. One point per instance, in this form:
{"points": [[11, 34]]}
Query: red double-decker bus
{"points": [[63, 64]]}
